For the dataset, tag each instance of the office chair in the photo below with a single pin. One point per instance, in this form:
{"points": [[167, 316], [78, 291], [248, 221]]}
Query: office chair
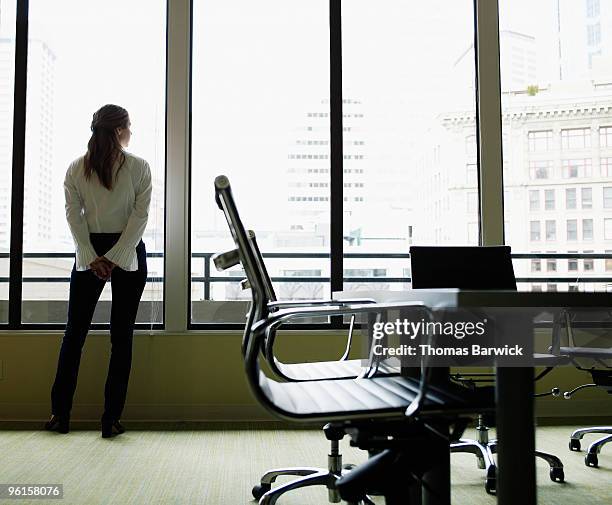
{"points": [[338, 369], [373, 407], [601, 373], [478, 268]]}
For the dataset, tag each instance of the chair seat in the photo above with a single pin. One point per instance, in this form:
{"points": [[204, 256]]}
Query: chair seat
{"points": [[359, 398], [329, 370]]}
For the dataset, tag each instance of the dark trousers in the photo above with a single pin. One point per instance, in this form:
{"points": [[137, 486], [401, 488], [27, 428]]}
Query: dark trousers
{"points": [[85, 290]]}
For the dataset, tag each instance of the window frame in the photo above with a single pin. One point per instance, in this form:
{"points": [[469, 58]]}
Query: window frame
{"points": [[574, 199], [605, 136], [569, 136], [15, 280], [537, 138]]}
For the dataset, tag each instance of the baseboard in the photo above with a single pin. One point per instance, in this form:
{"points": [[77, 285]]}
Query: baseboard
{"points": [[167, 413], [152, 425], [574, 408], [174, 416]]}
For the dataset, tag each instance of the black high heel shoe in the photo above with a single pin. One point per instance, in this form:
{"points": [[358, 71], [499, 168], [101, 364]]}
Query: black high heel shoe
{"points": [[61, 424], [110, 428]]}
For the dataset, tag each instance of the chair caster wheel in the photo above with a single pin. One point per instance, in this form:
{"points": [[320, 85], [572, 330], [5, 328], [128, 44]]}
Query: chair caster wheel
{"points": [[491, 482], [260, 489], [591, 460], [557, 474], [574, 445]]}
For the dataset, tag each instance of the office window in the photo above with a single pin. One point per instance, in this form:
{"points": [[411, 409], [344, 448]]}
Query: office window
{"points": [[608, 262], [253, 119], [424, 170], [551, 288], [540, 140], [606, 167], [534, 227], [551, 264], [549, 199], [594, 34], [587, 198], [471, 173], [551, 230], [472, 202], [573, 288], [575, 138], [536, 288], [587, 229], [608, 229], [75, 67], [534, 199], [594, 52], [470, 145], [607, 198], [592, 8], [588, 263], [572, 263], [540, 169], [536, 265], [472, 233], [7, 84], [570, 198], [605, 136], [572, 169], [572, 229]]}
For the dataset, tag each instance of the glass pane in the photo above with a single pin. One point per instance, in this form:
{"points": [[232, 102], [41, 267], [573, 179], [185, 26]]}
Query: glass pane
{"points": [[7, 85], [556, 82], [67, 83], [261, 116], [410, 134]]}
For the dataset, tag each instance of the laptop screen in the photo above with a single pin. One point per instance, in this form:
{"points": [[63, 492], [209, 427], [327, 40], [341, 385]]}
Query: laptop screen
{"points": [[486, 267]]}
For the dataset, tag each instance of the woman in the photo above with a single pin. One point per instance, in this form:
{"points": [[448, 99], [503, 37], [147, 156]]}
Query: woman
{"points": [[113, 188]]}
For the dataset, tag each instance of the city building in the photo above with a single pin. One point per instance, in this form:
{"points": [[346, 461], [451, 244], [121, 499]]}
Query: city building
{"points": [[557, 152]]}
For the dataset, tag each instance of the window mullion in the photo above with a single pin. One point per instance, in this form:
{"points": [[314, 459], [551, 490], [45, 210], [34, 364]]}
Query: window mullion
{"points": [[336, 148], [178, 98], [17, 196], [491, 188]]}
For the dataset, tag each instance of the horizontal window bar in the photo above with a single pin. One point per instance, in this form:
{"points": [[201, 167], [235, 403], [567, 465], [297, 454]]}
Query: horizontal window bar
{"points": [[325, 255]]}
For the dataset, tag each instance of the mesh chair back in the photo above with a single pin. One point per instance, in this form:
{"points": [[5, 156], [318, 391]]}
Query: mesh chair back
{"points": [[250, 260]]}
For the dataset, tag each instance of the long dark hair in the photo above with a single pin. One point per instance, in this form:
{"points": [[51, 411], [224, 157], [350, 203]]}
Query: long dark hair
{"points": [[103, 148]]}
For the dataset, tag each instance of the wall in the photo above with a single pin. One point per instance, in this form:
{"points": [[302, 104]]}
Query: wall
{"points": [[198, 376]]}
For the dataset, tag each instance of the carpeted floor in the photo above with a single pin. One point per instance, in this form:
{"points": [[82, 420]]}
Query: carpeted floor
{"points": [[215, 467]]}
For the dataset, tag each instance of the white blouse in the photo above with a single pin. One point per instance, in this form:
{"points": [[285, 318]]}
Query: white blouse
{"points": [[91, 208]]}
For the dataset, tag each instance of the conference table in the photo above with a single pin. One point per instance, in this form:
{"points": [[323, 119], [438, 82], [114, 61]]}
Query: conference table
{"points": [[514, 385]]}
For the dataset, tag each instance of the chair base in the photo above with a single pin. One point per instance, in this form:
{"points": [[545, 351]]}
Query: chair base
{"points": [[594, 449], [310, 476], [484, 449]]}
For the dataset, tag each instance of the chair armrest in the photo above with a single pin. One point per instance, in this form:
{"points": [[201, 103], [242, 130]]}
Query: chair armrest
{"points": [[270, 338], [300, 303], [284, 315]]}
